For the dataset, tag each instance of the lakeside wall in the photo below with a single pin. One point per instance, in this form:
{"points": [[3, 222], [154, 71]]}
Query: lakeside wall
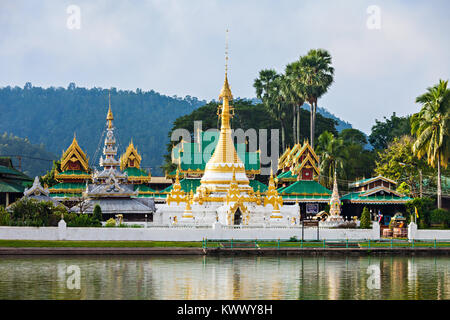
{"points": [[186, 233], [212, 232]]}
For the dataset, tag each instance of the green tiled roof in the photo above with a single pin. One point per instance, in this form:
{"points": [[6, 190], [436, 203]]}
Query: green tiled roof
{"points": [[286, 176], [73, 172], [11, 186], [355, 197], [68, 185], [195, 156], [304, 187], [255, 184], [186, 185], [15, 174], [143, 188], [65, 195], [135, 172]]}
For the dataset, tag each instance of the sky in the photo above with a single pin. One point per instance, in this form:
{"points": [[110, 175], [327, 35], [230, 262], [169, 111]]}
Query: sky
{"points": [[383, 57]]}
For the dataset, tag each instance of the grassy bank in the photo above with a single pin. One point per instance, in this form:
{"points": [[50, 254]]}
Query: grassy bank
{"points": [[215, 244]]}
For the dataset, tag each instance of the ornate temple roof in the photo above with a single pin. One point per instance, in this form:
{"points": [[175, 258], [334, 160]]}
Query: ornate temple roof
{"points": [[305, 190], [74, 154], [12, 180]]}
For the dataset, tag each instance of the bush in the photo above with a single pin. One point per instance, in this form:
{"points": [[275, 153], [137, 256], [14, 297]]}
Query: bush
{"points": [[365, 219], [424, 207], [440, 216], [5, 218], [110, 223], [98, 212], [82, 220], [31, 212]]}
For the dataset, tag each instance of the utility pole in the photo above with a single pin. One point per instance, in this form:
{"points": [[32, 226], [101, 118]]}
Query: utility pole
{"points": [[420, 186]]}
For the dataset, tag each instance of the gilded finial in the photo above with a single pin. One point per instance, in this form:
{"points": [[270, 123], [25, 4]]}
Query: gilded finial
{"points": [[226, 91], [110, 116]]}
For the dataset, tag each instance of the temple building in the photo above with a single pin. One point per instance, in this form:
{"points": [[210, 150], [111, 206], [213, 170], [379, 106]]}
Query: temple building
{"points": [[75, 172], [224, 193], [377, 194], [112, 189], [12, 182], [298, 179]]}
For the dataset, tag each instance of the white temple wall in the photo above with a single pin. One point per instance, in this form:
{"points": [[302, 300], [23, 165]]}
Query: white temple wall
{"points": [[186, 233]]}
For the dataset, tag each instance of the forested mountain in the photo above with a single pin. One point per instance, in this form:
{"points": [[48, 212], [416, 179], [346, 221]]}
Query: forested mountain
{"points": [[34, 159], [52, 116]]}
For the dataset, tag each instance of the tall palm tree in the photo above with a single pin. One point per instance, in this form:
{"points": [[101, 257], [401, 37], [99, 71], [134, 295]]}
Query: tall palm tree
{"points": [[294, 77], [431, 128], [332, 156], [317, 76], [268, 87]]}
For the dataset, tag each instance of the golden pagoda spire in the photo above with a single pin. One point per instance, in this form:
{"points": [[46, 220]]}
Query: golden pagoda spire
{"points": [[110, 116]]}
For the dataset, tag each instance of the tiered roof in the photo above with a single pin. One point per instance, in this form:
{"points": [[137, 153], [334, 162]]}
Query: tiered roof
{"points": [[130, 162], [12, 180], [74, 173], [305, 191]]}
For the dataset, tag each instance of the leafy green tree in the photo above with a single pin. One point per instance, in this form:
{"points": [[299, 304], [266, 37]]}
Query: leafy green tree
{"points": [[365, 219], [49, 178], [383, 132], [5, 218], [317, 76], [431, 128], [353, 136], [268, 88], [98, 212], [398, 162], [332, 156], [441, 216], [293, 90], [424, 207]]}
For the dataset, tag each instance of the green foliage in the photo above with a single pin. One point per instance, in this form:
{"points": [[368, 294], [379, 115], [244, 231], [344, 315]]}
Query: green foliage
{"points": [[31, 212], [424, 207], [398, 163], [5, 218], [403, 188], [247, 115], [353, 136], [441, 216], [333, 155], [35, 159], [383, 132], [98, 212], [431, 128], [49, 178], [365, 219], [81, 220], [110, 223], [51, 116]]}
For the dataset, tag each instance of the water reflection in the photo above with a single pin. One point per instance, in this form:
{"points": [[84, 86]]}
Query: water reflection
{"points": [[226, 277]]}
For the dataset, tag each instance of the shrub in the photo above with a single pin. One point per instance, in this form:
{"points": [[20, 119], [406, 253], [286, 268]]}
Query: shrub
{"points": [[98, 212], [365, 219], [440, 216], [424, 207], [31, 212], [5, 218], [293, 239], [110, 223]]}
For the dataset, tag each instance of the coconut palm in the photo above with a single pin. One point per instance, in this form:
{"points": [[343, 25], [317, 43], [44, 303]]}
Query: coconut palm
{"points": [[268, 87], [316, 77], [332, 156], [431, 128], [294, 92]]}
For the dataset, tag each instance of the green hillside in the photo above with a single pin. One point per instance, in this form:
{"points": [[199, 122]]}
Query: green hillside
{"points": [[35, 159], [51, 117]]}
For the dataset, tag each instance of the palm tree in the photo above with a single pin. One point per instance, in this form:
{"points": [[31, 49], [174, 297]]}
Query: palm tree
{"points": [[295, 94], [431, 128], [317, 76], [332, 156], [268, 88]]}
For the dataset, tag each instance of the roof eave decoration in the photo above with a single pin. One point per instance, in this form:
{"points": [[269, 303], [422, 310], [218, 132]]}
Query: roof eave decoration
{"points": [[130, 153], [381, 188], [361, 183], [307, 159], [74, 153]]}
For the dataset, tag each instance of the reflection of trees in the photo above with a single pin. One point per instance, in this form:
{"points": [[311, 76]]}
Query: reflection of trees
{"points": [[193, 277]]}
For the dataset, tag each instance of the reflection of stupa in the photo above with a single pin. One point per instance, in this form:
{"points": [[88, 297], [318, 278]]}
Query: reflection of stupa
{"points": [[225, 194]]}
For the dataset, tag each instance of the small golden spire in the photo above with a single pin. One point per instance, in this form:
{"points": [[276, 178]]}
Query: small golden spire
{"points": [[110, 116]]}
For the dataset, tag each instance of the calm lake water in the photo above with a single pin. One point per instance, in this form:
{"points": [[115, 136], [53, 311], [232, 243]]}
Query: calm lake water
{"points": [[193, 277]]}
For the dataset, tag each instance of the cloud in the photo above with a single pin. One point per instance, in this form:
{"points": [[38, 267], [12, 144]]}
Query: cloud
{"points": [[177, 47]]}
